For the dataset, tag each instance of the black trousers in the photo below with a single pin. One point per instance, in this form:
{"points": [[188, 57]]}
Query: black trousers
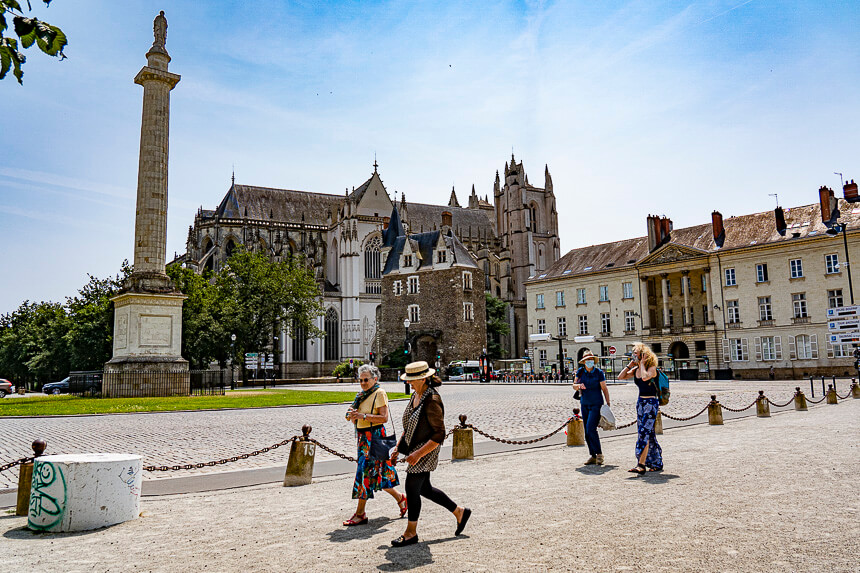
{"points": [[418, 485]]}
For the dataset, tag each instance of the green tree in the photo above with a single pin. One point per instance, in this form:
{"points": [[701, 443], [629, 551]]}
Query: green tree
{"points": [[256, 297], [50, 39], [203, 337], [32, 343], [497, 326]]}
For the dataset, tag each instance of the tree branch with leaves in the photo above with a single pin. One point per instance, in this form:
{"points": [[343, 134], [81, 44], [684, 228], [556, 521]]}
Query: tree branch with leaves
{"points": [[49, 39]]}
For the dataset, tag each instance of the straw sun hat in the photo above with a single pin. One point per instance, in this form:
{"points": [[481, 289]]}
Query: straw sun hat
{"points": [[588, 356], [417, 371]]}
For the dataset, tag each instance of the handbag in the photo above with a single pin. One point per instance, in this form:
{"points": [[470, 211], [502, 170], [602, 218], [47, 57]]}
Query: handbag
{"points": [[381, 446], [607, 418]]}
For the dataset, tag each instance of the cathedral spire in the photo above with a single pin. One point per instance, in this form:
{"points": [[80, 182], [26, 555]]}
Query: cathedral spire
{"points": [[452, 202], [547, 180]]}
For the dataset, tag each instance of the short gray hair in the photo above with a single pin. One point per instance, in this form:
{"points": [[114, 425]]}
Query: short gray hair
{"points": [[369, 369]]}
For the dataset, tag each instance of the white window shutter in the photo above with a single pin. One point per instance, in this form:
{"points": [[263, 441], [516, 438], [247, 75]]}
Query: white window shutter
{"points": [[792, 349], [757, 341], [727, 355], [830, 351], [745, 349], [778, 345], [813, 342]]}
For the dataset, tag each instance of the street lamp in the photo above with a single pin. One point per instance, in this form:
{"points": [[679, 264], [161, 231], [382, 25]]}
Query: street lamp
{"points": [[834, 230], [407, 350], [232, 358]]}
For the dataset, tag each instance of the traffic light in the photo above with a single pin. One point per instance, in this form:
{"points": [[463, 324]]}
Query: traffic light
{"points": [[438, 356], [371, 357]]}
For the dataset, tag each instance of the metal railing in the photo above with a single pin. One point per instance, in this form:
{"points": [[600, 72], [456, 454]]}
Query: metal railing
{"points": [[149, 383]]}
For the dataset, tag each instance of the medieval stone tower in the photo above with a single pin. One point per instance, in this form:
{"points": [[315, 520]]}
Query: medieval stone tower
{"points": [[527, 226]]}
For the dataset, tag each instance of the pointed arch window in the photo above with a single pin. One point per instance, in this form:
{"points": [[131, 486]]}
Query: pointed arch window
{"points": [[299, 343], [372, 261], [332, 335]]}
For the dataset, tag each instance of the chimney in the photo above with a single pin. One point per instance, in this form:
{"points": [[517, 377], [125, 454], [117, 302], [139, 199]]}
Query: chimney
{"points": [[719, 230], [385, 222], [665, 229], [829, 206], [850, 192], [653, 232], [447, 219], [779, 215]]}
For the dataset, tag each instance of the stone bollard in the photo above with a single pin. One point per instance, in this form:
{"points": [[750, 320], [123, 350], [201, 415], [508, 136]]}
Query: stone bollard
{"points": [[576, 430], [762, 407], [855, 389], [300, 464], [715, 412], [463, 447], [81, 492], [658, 424], [832, 398], [25, 479], [799, 400]]}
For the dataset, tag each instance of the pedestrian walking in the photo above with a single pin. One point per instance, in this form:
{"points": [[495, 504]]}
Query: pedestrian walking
{"points": [[369, 413], [591, 383], [643, 369], [423, 434]]}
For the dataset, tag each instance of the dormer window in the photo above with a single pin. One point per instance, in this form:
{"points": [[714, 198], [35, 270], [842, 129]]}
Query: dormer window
{"points": [[442, 256], [407, 260]]}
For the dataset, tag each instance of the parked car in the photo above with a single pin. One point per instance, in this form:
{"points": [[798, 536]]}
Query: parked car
{"points": [[61, 387], [6, 387]]}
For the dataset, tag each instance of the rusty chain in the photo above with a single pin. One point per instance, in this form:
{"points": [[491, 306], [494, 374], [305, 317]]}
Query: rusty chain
{"points": [[688, 418], [520, 442], [739, 409], [775, 405], [11, 465], [333, 452], [811, 401], [221, 462], [622, 426], [845, 397]]}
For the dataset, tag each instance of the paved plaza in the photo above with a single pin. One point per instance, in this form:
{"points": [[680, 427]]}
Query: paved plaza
{"points": [[505, 410], [776, 494]]}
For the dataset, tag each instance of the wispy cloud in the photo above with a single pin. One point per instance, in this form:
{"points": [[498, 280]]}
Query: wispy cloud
{"points": [[67, 182]]}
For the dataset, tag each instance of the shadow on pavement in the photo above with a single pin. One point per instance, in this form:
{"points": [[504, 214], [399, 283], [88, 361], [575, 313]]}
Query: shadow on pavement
{"points": [[373, 527], [654, 477], [595, 470], [410, 557]]}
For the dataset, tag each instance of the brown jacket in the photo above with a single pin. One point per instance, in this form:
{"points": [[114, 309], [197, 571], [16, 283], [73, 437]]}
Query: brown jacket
{"points": [[431, 426]]}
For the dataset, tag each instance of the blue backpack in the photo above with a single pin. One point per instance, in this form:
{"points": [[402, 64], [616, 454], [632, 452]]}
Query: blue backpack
{"points": [[662, 385]]}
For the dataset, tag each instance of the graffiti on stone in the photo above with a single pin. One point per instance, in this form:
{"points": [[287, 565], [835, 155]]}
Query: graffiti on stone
{"points": [[129, 478], [47, 496]]}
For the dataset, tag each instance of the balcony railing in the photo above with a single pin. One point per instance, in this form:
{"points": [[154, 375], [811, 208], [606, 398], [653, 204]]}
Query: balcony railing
{"points": [[734, 325], [800, 320], [765, 322], [373, 286]]}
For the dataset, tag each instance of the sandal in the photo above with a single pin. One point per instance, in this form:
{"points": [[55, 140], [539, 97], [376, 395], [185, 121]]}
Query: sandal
{"points": [[356, 520], [639, 469], [402, 541], [655, 469], [402, 504]]}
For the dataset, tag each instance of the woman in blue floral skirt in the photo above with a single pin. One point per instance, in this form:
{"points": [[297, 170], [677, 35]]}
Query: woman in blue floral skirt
{"points": [[643, 369]]}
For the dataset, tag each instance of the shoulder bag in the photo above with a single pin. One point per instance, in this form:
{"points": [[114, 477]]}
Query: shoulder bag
{"points": [[381, 446]]}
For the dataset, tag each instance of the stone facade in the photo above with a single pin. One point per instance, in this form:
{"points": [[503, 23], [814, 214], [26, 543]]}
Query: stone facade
{"points": [[757, 301], [341, 237]]}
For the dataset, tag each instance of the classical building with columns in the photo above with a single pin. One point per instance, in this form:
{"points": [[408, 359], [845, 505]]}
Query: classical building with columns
{"points": [[340, 235], [733, 298]]}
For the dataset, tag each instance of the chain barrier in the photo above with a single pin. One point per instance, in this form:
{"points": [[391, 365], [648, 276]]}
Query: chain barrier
{"points": [[224, 461], [520, 442], [11, 465], [811, 401], [775, 405], [846, 396], [688, 418], [739, 409], [333, 452], [621, 427]]}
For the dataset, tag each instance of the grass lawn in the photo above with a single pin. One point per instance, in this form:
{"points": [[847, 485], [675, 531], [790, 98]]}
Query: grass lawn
{"points": [[40, 405]]}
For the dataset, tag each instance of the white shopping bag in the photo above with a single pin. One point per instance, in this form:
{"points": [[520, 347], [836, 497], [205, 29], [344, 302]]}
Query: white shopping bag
{"points": [[607, 418]]}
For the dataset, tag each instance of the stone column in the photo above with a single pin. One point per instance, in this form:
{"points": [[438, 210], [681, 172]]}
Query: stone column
{"points": [[709, 296], [685, 278], [664, 283], [646, 307]]}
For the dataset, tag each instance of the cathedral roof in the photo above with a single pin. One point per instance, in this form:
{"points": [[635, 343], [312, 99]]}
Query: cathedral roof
{"points": [[423, 216], [742, 231], [281, 205]]}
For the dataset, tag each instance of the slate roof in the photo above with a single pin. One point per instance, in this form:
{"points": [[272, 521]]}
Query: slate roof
{"points": [[741, 231], [281, 205], [423, 216], [424, 243]]}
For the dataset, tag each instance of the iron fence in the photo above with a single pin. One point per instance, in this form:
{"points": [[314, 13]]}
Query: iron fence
{"points": [[149, 383]]}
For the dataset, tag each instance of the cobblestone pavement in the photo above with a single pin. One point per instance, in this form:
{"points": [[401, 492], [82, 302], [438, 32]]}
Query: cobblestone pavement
{"points": [[505, 410], [755, 495]]}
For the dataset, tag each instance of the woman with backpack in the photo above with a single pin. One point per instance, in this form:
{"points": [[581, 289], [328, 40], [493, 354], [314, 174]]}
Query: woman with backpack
{"points": [[643, 369]]}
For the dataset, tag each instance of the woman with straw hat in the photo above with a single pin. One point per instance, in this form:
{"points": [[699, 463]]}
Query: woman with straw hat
{"points": [[591, 382], [423, 434]]}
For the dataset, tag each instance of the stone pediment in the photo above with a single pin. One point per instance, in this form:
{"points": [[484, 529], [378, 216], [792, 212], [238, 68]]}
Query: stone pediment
{"points": [[672, 253]]}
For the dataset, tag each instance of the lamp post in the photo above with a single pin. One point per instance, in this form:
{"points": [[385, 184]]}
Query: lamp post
{"points": [[835, 230], [232, 357], [407, 350]]}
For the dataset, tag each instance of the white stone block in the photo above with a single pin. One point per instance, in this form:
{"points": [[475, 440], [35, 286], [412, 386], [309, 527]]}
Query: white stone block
{"points": [[79, 492]]}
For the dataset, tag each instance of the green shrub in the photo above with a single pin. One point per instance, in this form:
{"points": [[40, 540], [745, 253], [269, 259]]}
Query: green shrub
{"points": [[344, 370]]}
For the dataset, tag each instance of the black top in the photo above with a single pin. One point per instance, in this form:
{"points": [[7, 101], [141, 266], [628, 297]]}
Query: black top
{"points": [[646, 387]]}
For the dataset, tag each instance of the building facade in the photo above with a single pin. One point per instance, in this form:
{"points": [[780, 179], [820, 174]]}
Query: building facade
{"points": [[734, 298], [341, 238]]}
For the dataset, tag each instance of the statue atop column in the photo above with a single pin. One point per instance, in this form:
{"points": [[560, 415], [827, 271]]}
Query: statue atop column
{"points": [[159, 29]]}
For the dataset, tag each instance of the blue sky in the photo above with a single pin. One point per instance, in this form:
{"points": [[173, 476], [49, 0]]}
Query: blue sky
{"points": [[638, 107]]}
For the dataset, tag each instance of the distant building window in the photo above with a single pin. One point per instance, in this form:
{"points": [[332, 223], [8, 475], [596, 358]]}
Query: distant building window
{"points": [[734, 311], [407, 261], [834, 298], [804, 347], [467, 280], [832, 263], [604, 322], [626, 290], [468, 312], [730, 277], [372, 260], [668, 287], [559, 298], [761, 273], [583, 324], [542, 356], [441, 256], [539, 301], [398, 288], [414, 313], [796, 268], [768, 348], [683, 286], [842, 351], [704, 283], [799, 302], [738, 350], [764, 308], [684, 315], [413, 285], [629, 321], [671, 317], [541, 326], [604, 293], [704, 314], [580, 296], [562, 326]]}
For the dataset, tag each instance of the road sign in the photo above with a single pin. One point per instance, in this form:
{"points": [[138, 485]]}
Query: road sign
{"points": [[611, 350], [842, 312], [844, 337], [849, 325], [251, 360], [270, 362]]}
